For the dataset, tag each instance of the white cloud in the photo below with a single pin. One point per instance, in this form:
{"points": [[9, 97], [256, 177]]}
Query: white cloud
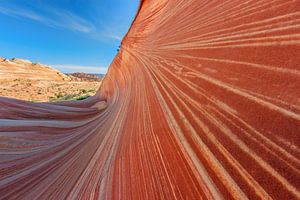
{"points": [[116, 37], [18, 12], [67, 68], [64, 19], [68, 20], [58, 19]]}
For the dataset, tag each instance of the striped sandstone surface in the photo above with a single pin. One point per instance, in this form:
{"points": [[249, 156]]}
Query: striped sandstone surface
{"points": [[201, 102]]}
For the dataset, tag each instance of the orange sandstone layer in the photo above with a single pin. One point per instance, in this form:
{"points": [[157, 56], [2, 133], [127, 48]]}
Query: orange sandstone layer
{"points": [[201, 102]]}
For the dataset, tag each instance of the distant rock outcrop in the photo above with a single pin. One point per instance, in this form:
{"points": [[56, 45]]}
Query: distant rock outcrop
{"points": [[84, 77]]}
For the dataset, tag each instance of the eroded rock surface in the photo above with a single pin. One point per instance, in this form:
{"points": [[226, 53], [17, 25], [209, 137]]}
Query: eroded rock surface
{"points": [[201, 102]]}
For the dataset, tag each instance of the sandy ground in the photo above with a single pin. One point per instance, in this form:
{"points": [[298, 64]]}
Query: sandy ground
{"points": [[44, 90]]}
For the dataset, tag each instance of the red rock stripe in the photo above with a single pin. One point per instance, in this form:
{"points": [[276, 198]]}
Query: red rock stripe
{"points": [[201, 102]]}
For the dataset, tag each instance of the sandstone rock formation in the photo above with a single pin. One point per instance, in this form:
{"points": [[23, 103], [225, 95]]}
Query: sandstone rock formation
{"points": [[201, 102], [21, 61], [20, 68], [21, 79]]}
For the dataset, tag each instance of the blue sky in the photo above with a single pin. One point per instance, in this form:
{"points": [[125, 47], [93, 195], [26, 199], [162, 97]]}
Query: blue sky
{"points": [[70, 35]]}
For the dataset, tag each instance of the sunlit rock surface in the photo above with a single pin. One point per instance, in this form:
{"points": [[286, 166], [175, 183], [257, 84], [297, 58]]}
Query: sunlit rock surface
{"points": [[201, 102]]}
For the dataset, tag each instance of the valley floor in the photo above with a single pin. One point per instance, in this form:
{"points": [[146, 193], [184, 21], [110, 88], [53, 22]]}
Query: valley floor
{"points": [[44, 90]]}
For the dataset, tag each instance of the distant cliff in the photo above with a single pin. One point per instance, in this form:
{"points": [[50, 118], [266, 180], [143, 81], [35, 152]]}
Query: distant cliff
{"points": [[84, 76]]}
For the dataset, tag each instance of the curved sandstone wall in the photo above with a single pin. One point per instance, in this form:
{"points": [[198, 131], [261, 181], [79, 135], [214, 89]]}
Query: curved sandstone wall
{"points": [[201, 102]]}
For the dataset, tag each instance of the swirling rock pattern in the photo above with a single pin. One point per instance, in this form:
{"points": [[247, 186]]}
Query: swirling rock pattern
{"points": [[201, 102]]}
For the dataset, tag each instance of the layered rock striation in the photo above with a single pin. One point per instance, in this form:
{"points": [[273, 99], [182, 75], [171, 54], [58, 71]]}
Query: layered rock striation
{"points": [[201, 102]]}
